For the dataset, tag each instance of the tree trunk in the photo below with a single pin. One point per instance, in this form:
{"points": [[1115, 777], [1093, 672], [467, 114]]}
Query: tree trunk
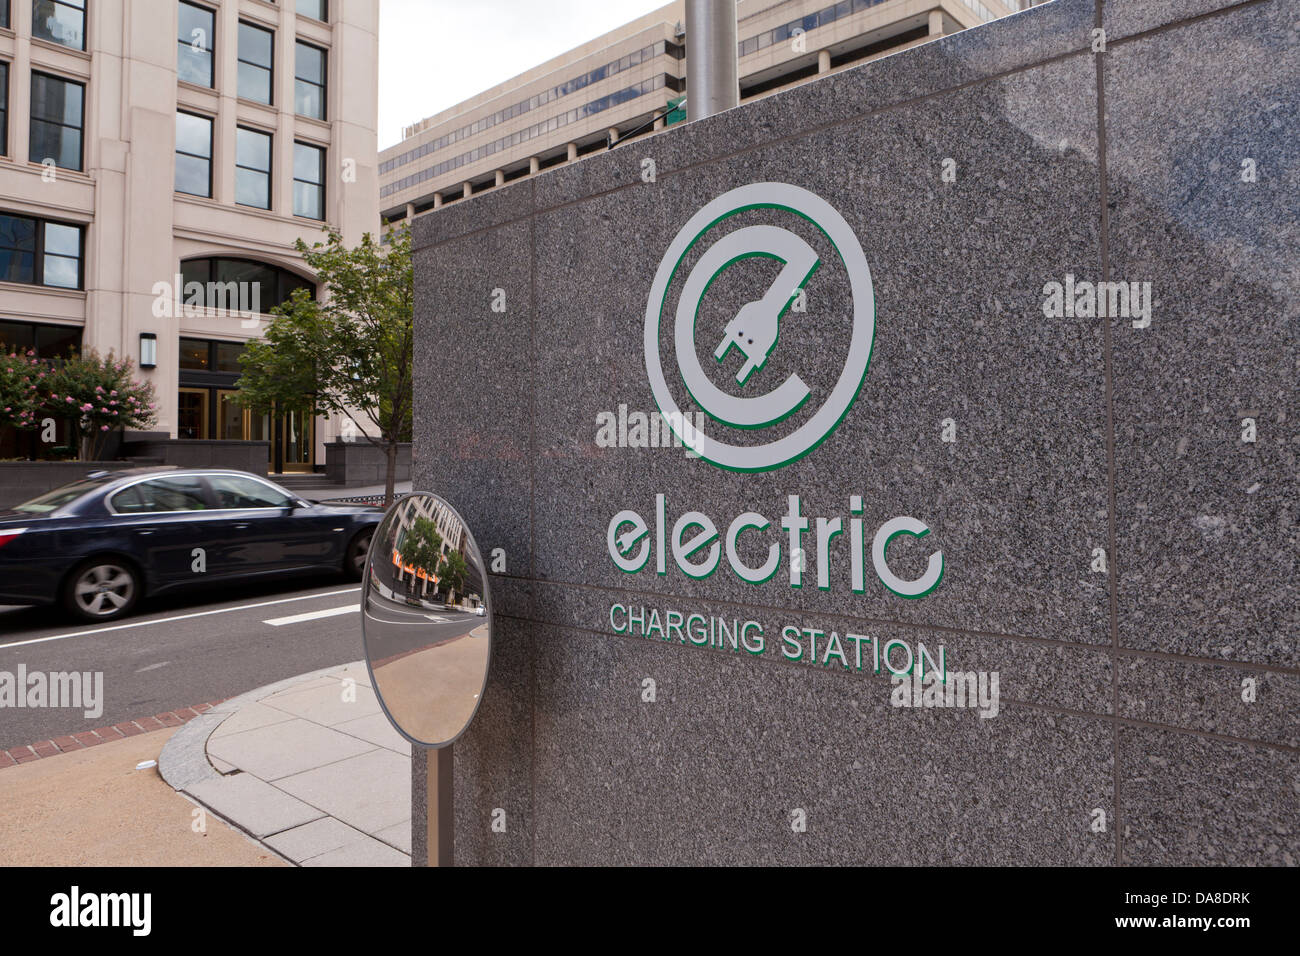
{"points": [[390, 479]]}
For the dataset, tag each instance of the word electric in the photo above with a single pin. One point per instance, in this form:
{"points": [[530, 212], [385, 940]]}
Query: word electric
{"points": [[696, 546]]}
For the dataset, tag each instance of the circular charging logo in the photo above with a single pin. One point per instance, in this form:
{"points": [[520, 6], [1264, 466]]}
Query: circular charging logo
{"points": [[754, 332]]}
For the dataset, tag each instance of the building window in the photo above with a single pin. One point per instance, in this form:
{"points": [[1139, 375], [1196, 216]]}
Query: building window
{"points": [[18, 248], [4, 109], [308, 181], [309, 81], [57, 106], [4, 13], [316, 9], [253, 168], [40, 252], [194, 38], [61, 262], [47, 341], [60, 21], [208, 284], [193, 154], [255, 62]]}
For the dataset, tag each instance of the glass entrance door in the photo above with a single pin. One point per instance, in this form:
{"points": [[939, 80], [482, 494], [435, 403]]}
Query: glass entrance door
{"points": [[236, 423], [230, 417], [205, 413], [297, 442], [192, 415]]}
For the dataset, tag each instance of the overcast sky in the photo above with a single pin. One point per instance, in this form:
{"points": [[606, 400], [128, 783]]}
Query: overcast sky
{"points": [[435, 53]]}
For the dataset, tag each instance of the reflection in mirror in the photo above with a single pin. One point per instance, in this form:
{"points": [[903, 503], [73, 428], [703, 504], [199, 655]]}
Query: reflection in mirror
{"points": [[426, 620]]}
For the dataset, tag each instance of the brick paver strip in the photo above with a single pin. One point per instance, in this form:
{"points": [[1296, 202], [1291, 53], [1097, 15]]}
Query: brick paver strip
{"points": [[101, 735]]}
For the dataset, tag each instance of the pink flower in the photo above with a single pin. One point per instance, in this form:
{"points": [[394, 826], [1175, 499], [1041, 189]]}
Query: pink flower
{"points": [[103, 428], [69, 399]]}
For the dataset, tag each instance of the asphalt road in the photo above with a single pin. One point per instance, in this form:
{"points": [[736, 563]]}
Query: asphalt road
{"points": [[398, 628], [182, 650]]}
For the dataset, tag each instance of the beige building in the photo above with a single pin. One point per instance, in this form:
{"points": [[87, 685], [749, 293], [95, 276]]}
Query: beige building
{"points": [[146, 141], [622, 83]]}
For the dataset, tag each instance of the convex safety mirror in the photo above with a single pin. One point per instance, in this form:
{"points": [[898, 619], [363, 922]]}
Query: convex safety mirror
{"points": [[426, 620]]}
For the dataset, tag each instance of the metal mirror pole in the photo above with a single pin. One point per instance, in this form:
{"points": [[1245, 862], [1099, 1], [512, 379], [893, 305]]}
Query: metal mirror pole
{"points": [[440, 806]]}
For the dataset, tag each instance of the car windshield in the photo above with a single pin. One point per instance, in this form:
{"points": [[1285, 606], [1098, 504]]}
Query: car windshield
{"points": [[59, 497]]}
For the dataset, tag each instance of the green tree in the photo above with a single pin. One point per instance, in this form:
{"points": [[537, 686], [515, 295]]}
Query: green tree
{"points": [[421, 546], [98, 396], [451, 575], [350, 351]]}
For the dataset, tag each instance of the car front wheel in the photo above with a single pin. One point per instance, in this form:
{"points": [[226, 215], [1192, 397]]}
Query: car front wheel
{"points": [[101, 589]]}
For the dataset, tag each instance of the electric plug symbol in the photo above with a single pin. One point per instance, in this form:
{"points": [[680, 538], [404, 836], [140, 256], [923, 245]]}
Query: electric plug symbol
{"points": [[628, 540], [753, 332]]}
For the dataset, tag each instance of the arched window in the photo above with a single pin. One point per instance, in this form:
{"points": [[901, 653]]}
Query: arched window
{"points": [[208, 282]]}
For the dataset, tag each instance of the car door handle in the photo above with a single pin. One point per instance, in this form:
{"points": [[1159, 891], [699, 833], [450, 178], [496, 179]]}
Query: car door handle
{"points": [[144, 531], [241, 526]]}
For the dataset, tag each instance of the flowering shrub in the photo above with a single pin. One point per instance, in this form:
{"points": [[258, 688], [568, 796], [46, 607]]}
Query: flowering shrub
{"points": [[22, 380], [99, 396]]}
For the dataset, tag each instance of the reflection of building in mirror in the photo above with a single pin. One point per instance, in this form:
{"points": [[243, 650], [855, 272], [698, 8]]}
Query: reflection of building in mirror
{"points": [[426, 555], [426, 629]]}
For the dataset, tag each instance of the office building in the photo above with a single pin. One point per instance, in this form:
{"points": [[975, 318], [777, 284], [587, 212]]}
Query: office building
{"points": [[144, 142], [623, 83]]}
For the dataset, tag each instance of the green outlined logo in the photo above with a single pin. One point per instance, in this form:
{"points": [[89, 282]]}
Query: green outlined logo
{"points": [[753, 333]]}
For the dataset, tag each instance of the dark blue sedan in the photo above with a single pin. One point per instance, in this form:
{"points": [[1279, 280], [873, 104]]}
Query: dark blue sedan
{"points": [[99, 545]]}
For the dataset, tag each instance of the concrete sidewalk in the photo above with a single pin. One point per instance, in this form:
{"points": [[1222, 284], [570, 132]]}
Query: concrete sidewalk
{"points": [[328, 492], [309, 766]]}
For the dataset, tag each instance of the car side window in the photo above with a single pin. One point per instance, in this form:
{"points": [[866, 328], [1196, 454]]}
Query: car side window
{"points": [[161, 494], [232, 491]]}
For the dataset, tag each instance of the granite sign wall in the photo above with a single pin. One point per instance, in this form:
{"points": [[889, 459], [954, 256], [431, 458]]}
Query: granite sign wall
{"points": [[898, 469]]}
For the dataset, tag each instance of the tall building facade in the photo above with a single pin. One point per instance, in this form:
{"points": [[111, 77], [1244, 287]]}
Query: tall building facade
{"points": [[158, 160], [624, 83]]}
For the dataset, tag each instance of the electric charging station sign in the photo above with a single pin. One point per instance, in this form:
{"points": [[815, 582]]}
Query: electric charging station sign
{"points": [[754, 333], [756, 404]]}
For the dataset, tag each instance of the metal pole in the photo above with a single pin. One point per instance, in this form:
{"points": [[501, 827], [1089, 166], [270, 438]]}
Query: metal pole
{"points": [[712, 79], [439, 803]]}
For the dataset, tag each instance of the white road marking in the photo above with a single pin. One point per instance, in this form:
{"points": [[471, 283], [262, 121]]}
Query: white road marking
{"points": [[313, 615], [181, 617]]}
